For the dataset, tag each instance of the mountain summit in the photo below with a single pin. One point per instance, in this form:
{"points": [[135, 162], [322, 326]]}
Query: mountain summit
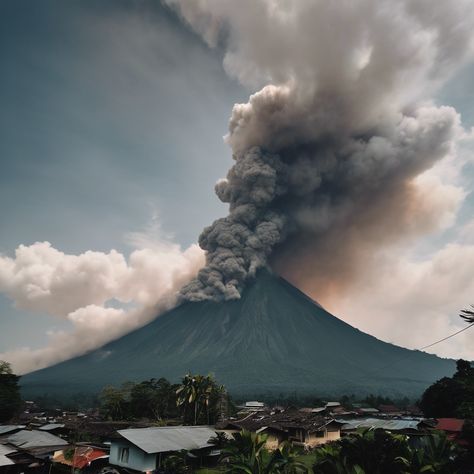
{"points": [[273, 340]]}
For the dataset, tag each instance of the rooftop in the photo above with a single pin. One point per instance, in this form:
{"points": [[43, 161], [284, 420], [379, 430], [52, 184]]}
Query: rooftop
{"points": [[169, 438], [374, 423], [449, 424], [26, 439]]}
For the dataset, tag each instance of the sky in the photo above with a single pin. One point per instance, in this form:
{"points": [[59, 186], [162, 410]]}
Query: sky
{"points": [[111, 137]]}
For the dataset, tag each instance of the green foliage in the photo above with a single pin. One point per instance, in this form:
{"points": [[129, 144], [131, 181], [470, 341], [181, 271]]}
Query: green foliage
{"points": [[220, 440], [115, 402], [199, 397], [246, 454], [152, 399], [176, 464], [379, 452], [451, 396], [5, 368], [10, 400]]}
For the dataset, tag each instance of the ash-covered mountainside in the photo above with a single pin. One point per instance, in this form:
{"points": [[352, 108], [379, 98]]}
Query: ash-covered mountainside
{"points": [[272, 340]]}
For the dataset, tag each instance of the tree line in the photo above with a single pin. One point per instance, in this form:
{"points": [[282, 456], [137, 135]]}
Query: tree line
{"points": [[197, 399]]}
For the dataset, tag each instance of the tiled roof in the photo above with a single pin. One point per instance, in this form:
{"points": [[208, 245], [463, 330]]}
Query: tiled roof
{"points": [[282, 421]]}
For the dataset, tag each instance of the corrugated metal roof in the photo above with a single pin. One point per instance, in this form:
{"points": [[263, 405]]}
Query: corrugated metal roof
{"points": [[4, 461], [4, 429], [373, 423], [4, 450], [35, 439], [52, 426], [169, 438]]}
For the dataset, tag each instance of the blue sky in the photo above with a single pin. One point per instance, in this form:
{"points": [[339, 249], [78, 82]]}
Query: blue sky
{"points": [[112, 113]]}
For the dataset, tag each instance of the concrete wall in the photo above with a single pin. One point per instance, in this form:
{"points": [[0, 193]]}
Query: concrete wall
{"points": [[329, 435], [137, 459]]}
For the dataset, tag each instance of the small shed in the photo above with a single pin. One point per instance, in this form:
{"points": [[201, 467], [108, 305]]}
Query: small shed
{"points": [[142, 449]]}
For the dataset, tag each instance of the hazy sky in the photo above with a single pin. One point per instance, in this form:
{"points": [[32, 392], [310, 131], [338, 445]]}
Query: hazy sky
{"points": [[112, 119], [112, 112]]}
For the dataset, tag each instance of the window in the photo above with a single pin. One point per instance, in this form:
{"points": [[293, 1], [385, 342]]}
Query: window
{"points": [[319, 434], [123, 455]]}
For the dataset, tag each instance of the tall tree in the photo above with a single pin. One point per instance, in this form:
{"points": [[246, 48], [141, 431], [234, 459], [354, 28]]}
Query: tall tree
{"points": [[153, 399], [115, 402], [451, 396], [10, 400], [199, 395]]}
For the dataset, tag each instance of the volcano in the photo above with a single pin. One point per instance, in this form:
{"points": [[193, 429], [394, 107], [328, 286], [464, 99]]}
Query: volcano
{"points": [[273, 340]]}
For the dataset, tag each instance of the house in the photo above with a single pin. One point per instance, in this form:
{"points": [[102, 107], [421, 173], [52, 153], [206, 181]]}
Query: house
{"points": [[452, 427], [391, 410], [405, 426], [251, 407], [29, 449], [38, 443], [293, 425], [312, 410], [142, 449]]}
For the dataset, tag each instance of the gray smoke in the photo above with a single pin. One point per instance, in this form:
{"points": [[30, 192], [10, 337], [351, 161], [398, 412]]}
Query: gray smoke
{"points": [[330, 154], [239, 244]]}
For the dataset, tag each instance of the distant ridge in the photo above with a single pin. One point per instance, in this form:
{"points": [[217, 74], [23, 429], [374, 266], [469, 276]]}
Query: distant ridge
{"points": [[274, 340]]}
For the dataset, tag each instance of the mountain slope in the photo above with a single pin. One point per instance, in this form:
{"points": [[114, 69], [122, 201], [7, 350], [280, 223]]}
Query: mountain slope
{"points": [[273, 340]]}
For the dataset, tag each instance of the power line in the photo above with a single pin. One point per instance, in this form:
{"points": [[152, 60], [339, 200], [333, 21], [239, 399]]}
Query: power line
{"points": [[447, 337], [424, 347]]}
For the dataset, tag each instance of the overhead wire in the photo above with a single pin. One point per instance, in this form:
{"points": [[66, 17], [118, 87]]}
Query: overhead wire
{"points": [[422, 348]]}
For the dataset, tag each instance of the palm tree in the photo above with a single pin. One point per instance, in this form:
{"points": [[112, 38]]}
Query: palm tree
{"points": [[330, 461], [468, 315], [284, 461], [246, 454], [187, 394], [196, 392], [377, 452]]}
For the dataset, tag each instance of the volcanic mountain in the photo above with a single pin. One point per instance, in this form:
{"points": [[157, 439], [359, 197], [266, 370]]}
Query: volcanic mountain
{"points": [[273, 340]]}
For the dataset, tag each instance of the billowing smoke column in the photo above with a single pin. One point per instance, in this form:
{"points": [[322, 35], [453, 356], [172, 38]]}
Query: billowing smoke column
{"points": [[240, 243], [330, 154]]}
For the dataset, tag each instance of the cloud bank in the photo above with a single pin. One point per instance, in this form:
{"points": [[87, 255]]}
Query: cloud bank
{"points": [[102, 295]]}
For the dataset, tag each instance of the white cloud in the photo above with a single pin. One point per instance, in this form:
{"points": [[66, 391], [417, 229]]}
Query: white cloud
{"points": [[80, 288], [412, 302]]}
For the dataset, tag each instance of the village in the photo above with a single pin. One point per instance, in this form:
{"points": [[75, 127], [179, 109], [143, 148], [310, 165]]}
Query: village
{"points": [[64, 441]]}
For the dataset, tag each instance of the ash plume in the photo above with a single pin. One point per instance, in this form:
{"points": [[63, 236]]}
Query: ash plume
{"points": [[330, 155]]}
